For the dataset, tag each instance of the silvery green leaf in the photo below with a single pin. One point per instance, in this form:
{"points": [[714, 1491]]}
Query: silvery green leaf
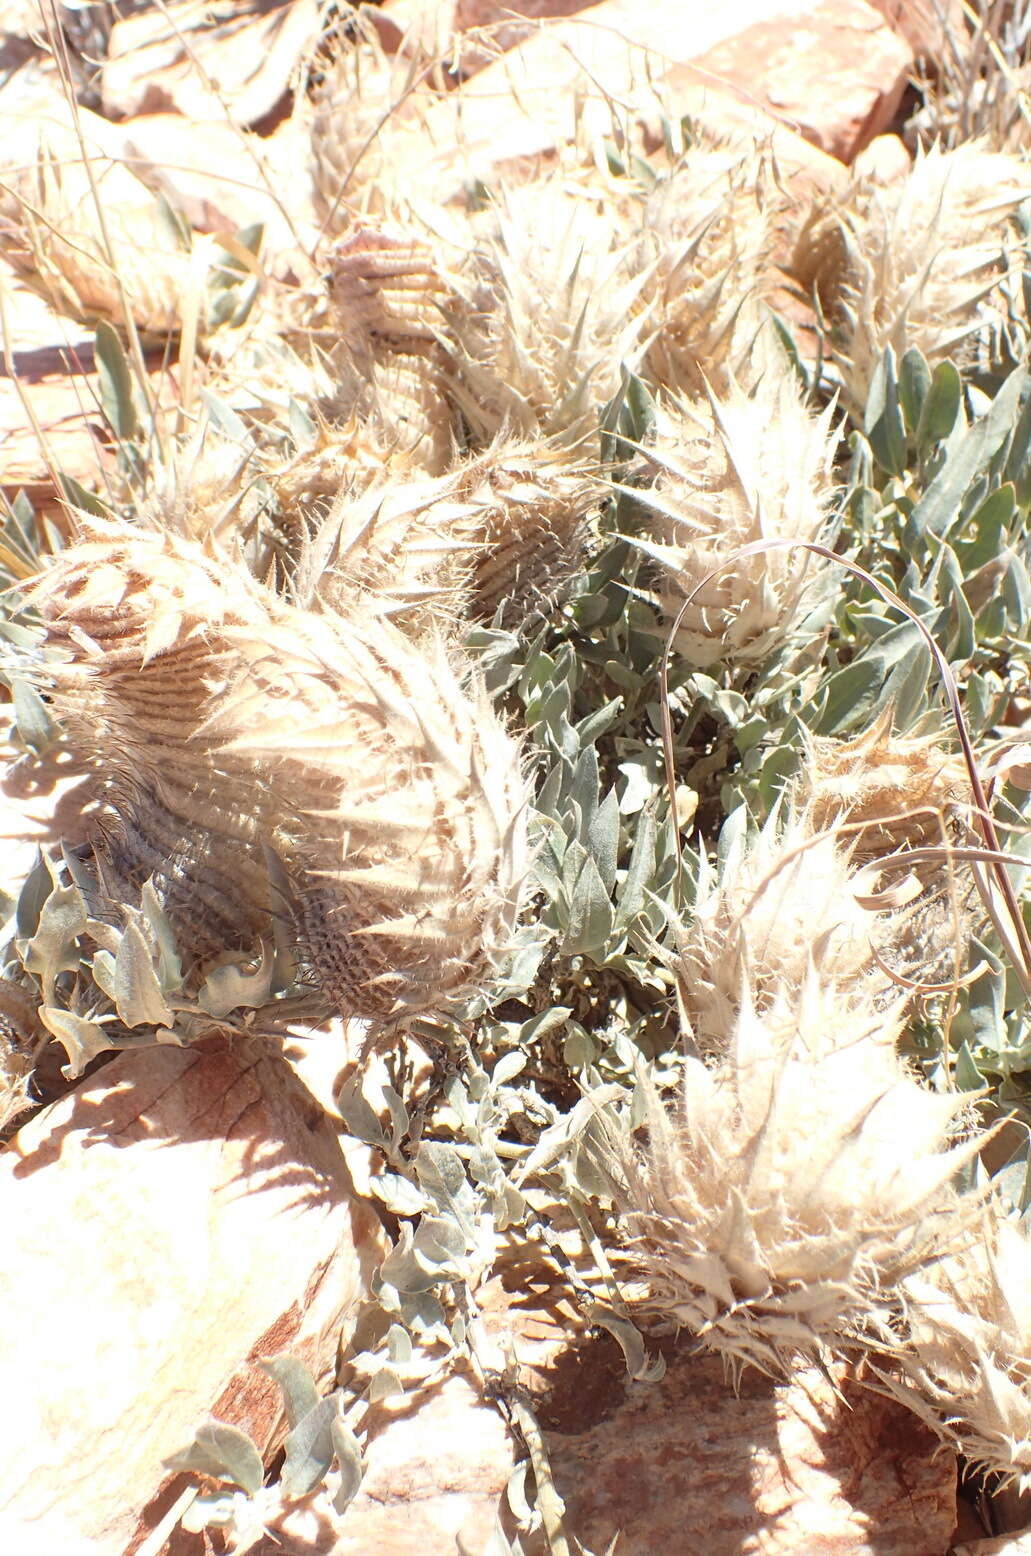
{"points": [[82, 1040], [116, 388], [230, 987], [358, 1117], [225, 1453], [440, 1243], [169, 967], [556, 1141], [398, 1193], [296, 1384], [399, 1345], [348, 1453], [507, 1068], [135, 987], [53, 948], [914, 386], [882, 420], [402, 1270], [965, 1071], [590, 913], [906, 686], [441, 1172], [603, 839], [36, 888], [309, 1448], [384, 1384], [940, 408], [35, 726], [400, 1123], [641, 868], [548, 1021], [939, 507]]}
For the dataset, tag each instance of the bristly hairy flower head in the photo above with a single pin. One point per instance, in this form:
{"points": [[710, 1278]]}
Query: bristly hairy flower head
{"points": [[963, 1362], [224, 722], [504, 531], [781, 907], [728, 472], [548, 315], [920, 261], [773, 1210], [92, 267], [708, 236], [892, 791]]}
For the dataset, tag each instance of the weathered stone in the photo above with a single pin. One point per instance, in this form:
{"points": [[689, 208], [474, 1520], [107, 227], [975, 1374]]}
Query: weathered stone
{"points": [[179, 1216], [932, 28], [177, 59], [834, 70], [1004, 1545], [884, 160]]}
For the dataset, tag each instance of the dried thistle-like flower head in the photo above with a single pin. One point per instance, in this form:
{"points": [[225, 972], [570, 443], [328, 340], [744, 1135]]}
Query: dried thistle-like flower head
{"points": [[224, 722], [87, 265], [920, 261], [782, 906], [736, 470], [549, 314], [505, 531], [893, 791], [774, 1210], [964, 1362], [708, 237]]}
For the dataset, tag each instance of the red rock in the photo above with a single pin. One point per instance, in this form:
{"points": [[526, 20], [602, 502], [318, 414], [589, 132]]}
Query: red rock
{"points": [[834, 70], [932, 28], [180, 1215]]}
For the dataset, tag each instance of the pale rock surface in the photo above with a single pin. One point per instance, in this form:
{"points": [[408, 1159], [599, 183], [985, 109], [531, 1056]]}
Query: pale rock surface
{"points": [[172, 59], [834, 70], [558, 88], [180, 1215], [884, 160]]}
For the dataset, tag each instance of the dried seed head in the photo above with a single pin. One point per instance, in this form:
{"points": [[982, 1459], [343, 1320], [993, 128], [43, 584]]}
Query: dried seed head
{"points": [[783, 906], [52, 234], [548, 315], [365, 132], [731, 471], [893, 791], [224, 722], [921, 262], [505, 531], [964, 1361], [706, 247], [774, 1210]]}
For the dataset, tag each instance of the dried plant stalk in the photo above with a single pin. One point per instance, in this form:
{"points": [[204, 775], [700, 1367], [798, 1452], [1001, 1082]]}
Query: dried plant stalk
{"points": [[224, 722]]}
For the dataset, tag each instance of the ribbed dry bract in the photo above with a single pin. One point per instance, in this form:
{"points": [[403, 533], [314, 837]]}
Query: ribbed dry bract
{"points": [[505, 530], [224, 721], [52, 234], [730, 471], [548, 313], [387, 296], [964, 1362], [919, 262], [774, 1209]]}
